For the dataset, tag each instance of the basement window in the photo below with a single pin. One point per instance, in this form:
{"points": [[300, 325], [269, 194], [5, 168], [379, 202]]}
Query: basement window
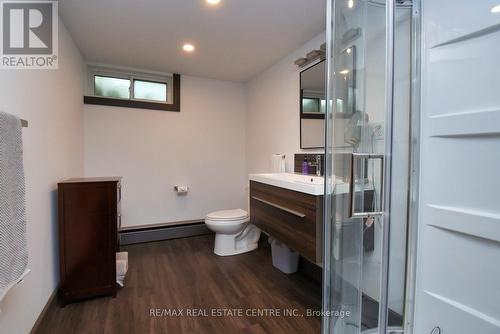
{"points": [[132, 89], [111, 87], [149, 90]]}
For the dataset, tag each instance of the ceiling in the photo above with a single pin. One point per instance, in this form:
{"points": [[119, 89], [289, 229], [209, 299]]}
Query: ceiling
{"points": [[234, 40]]}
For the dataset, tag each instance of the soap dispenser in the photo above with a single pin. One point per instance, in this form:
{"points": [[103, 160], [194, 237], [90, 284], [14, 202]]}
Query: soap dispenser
{"points": [[305, 166]]}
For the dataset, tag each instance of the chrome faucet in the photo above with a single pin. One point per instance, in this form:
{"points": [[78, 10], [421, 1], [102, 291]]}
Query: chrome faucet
{"points": [[317, 164]]}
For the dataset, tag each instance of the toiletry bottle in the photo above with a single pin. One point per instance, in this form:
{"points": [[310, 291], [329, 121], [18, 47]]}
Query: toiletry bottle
{"points": [[305, 166], [283, 164]]}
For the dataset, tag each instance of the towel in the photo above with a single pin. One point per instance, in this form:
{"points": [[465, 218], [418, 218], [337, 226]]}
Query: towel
{"points": [[13, 241]]}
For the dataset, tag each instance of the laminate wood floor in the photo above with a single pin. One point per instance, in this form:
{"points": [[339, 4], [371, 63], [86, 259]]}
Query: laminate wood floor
{"points": [[184, 274]]}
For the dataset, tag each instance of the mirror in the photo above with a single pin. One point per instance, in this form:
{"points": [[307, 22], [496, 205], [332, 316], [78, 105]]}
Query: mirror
{"points": [[313, 100], [312, 106], [313, 91]]}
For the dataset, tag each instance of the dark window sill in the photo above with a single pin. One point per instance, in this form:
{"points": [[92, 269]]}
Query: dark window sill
{"points": [[312, 116], [106, 101], [322, 116]]}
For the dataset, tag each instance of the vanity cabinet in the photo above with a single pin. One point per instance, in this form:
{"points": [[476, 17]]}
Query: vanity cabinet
{"points": [[292, 217], [296, 219], [89, 221]]}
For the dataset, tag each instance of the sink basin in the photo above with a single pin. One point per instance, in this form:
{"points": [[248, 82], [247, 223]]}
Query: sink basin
{"points": [[309, 184]]}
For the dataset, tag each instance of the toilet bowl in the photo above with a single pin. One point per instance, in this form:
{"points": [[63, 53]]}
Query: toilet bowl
{"points": [[233, 234]]}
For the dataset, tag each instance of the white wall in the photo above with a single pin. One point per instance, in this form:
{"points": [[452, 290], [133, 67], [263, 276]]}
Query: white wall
{"points": [[273, 124], [51, 100], [202, 147]]}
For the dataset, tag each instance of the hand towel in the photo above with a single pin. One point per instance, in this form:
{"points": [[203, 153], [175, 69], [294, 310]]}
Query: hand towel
{"points": [[13, 240]]}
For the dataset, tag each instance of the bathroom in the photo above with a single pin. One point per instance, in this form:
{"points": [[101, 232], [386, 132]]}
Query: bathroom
{"points": [[233, 166]]}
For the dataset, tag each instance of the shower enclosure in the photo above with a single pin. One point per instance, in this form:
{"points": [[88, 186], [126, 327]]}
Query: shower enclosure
{"points": [[370, 61]]}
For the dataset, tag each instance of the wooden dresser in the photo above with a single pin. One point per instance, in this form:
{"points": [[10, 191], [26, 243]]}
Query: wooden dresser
{"points": [[89, 220]]}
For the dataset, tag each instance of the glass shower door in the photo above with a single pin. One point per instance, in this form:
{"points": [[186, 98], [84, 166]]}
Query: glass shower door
{"points": [[367, 165]]}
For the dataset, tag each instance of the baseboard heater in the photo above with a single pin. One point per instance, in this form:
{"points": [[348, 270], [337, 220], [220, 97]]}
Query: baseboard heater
{"points": [[150, 233]]}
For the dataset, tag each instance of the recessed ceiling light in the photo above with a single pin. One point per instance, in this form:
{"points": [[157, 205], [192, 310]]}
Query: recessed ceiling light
{"points": [[496, 9], [350, 3], [188, 47], [213, 2]]}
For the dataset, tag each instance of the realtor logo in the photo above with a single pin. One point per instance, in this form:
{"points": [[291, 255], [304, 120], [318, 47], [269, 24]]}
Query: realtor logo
{"points": [[29, 34]]}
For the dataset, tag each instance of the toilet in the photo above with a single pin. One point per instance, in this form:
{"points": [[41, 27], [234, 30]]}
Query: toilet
{"points": [[233, 234]]}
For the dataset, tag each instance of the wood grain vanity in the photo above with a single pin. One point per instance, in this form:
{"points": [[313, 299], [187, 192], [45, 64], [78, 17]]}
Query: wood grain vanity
{"points": [[289, 207], [292, 217]]}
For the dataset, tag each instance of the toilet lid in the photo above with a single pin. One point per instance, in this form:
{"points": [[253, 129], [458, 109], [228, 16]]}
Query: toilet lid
{"points": [[228, 214]]}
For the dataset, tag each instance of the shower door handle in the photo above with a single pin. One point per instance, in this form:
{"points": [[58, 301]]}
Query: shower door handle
{"points": [[355, 157]]}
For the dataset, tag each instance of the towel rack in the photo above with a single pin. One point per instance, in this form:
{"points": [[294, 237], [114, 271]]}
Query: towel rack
{"points": [[24, 123]]}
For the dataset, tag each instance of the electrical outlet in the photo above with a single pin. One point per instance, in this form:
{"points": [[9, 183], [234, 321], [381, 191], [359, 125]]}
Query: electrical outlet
{"points": [[378, 130]]}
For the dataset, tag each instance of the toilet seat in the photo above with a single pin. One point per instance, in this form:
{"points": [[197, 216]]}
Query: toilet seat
{"points": [[227, 215], [222, 223]]}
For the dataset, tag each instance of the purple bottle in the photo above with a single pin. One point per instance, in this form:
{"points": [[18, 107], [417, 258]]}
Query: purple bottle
{"points": [[305, 166]]}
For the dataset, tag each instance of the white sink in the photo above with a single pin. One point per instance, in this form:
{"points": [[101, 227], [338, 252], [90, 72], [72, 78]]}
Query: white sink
{"points": [[308, 184]]}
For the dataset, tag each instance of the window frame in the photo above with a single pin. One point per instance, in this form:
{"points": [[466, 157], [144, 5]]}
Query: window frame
{"points": [[172, 82]]}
